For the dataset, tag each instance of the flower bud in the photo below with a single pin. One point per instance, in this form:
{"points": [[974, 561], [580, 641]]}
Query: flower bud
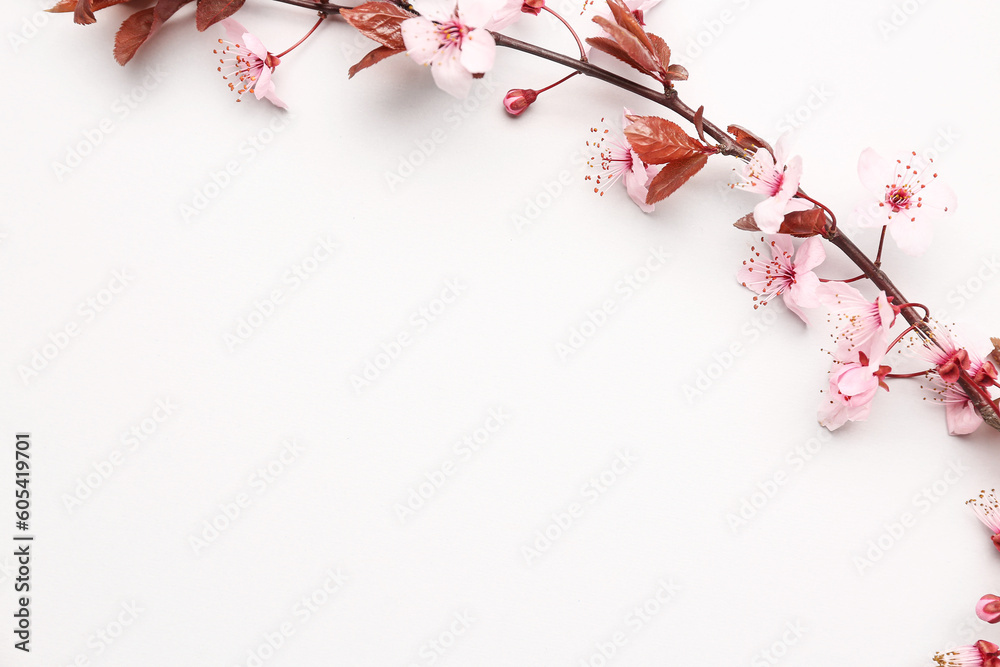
{"points": [[988, 608], [517, 100], [533, 7]]}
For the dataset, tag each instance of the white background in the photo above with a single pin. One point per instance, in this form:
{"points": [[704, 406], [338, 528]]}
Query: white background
{"points": [[191, 280]]}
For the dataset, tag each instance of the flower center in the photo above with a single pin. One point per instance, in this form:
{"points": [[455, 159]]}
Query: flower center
{"points": [[899, 198], [451, 33]]}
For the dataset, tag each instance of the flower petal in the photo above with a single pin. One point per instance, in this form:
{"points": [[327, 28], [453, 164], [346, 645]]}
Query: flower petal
{"points": [[254, 45], [962, 417], [803, 292], [912, 235], [809, 255], [421, 39], [451, 77], [636, 184], [769, 215], [875, 172], [264, 85], [782, 147], [435, 10], [478, 51], [234, 30], [477, 13]]}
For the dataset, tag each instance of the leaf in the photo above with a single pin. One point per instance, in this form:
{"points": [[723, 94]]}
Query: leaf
{"points": [[210, 12], [624, 18], [372, 57], [657, 140], [676, 73], [699, 122], [611, 47], [747, 139], [996, 350], [130, 36], [70, 5], [84, 13], [379, 21], [660, 51], [139, 27], [801, 224], [630, 44], [673, 176]]}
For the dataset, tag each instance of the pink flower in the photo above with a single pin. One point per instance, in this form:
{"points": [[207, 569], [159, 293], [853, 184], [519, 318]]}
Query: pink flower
{"points": [[449, 36], [511, 11], [778, 178], [980, 654], [783, 275], [950, 359], [616, 160], [909, 195], [988, 608], [987, 509], [859, 321], [854, 382], [517, 100], [249, 62]]}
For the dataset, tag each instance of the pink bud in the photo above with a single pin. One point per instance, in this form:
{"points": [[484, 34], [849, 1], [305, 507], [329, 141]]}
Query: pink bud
{"points": [[517, 100], [988, 608], [533, 7]]}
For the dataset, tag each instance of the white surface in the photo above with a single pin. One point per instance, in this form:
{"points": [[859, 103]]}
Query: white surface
{"points": [[323, 177]]}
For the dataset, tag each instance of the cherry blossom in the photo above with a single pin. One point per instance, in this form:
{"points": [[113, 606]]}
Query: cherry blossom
{"points": [[615, 160], [245, 59], [980, 654], [988, 608], [950, 359], [777, 177], [787, 273], [908, 196], [859, 321], [987, 509], [854, 382], [451, 37]]}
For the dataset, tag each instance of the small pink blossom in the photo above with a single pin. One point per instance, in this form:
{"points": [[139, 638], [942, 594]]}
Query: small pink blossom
{"points": [[980, 654], [245, 59], [615, 160], [450, 37], [854, 382], [778, 178], [517, 101], [511, 11], [908, 195], [859, 321], [987, 509], [787, 273], [950, 359], [988, 608]]}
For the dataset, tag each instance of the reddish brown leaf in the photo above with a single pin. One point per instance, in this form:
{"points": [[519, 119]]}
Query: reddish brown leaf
{"points": [[801, 224], [84, 13], [699, 122], [142, 25], [211, 12], [623, 16], [673, 176], [660, 51], [630, 44], [377, 55], [676, 73], [379, 21], [747, 139], [657, 140], [611, 47], [70, 5], [134, 31]]}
